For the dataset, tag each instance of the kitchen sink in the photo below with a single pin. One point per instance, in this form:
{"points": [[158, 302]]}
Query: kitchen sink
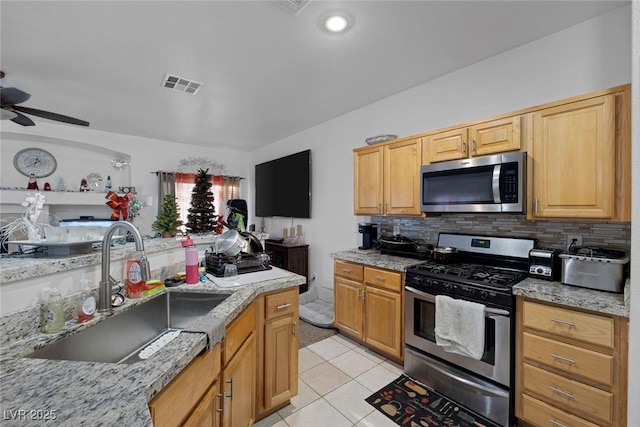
{"points": [[120, 338]]}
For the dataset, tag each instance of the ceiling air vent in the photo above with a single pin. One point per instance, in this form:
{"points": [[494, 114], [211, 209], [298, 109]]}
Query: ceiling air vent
{"points": [[181, 84], [293, 6]]}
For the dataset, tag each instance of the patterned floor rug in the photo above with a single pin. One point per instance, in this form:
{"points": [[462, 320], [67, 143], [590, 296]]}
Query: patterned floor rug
{"points": [[409, 403]]}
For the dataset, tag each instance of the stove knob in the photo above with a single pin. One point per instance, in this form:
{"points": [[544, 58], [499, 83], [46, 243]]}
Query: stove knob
{"points": [[539, 270]]}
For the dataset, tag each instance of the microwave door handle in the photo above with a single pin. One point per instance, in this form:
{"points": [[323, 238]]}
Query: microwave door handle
{"points": [[496, 183]]}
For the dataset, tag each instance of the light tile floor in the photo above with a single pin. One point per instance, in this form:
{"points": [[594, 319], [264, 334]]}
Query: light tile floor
{"points": [[335, 376]]}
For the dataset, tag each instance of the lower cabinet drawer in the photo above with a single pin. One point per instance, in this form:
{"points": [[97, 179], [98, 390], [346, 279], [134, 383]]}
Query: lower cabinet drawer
{"points": [[541, 414], [572, 396], [568, 358], [281, 303], [391, 280]]}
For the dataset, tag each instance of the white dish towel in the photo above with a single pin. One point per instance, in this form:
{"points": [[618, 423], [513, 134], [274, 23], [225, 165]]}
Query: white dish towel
{"points": [[460, 326]]}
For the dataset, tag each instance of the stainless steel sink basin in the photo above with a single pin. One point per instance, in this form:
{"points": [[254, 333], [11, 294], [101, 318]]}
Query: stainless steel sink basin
{"points": [[120, 338]]}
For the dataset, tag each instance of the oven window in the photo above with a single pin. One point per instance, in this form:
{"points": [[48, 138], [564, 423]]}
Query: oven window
{"points": [[424, 325]]}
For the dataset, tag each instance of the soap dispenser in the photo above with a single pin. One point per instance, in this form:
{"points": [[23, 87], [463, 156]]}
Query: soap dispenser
{"points": [[53, 313]]}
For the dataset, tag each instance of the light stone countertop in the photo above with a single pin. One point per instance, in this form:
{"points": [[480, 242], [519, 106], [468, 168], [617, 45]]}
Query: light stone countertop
{"points": [[572, 296], [17, 268], [106, 394]]}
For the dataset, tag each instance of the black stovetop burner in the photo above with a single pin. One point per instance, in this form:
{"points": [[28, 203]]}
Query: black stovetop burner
{"points": [[493, 277]]}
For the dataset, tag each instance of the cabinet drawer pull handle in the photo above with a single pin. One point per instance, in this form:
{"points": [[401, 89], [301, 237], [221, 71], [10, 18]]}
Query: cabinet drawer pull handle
{"points": [[379, 278], [230, 381], [283, 306], [473, 146], [563, 322], [221, 409], [346, 270], [293, 328], [379, 207], [535, 209], [562, 392], [358, 294], [564, 359], [462, 147], [555, 423], [364, 294]]}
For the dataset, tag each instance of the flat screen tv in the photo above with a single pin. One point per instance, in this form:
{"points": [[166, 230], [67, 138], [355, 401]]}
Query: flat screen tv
{"points": [[283, 186]]}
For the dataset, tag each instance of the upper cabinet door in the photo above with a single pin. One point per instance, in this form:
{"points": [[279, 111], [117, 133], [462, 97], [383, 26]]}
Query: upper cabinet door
{"points": [[574, 160], [496, 136], [449, 145], [402, 178], [367, 182]]}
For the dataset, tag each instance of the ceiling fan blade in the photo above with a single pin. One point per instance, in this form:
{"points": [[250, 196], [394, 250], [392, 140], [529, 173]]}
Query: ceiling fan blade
{"points": [[12, 95], [23, 120], [51, 116], [6, 114]]}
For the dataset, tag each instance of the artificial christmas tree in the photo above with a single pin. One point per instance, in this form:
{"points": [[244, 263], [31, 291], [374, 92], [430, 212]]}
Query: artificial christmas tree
{"points": [[168, 219], [202, 216]]}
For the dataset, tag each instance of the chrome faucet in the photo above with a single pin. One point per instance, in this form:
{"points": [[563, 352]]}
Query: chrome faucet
{"points": [[105, 291]]}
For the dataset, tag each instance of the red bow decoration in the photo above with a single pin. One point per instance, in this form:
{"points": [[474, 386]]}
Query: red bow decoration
{"points": [[119, 204]]}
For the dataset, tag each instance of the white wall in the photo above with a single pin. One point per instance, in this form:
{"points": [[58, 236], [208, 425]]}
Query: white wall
{"points": [[590, 56]]}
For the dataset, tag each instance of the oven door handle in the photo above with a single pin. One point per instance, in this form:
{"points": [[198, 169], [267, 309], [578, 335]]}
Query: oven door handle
{"points": [[432, 298]]}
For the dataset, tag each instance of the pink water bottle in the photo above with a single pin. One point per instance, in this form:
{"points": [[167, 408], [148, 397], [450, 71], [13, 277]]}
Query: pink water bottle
{"points": [[191, 261]]}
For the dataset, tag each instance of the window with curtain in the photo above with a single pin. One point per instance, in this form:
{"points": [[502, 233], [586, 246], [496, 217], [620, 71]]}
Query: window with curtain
{"points": [[223, 188]]}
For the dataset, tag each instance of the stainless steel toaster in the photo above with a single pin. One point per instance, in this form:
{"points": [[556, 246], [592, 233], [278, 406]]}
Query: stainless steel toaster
{"points": [[595, 268]]}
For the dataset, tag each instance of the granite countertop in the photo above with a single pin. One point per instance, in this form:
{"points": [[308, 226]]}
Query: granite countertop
{"points": [[374, 258], [58, 392], [17, 268], [572, 296]]}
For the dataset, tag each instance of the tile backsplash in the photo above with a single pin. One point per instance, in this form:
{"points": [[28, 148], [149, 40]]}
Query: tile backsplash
{"points": [[550, 234]]}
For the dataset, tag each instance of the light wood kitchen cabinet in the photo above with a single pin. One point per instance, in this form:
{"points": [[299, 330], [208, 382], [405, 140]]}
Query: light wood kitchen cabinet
{"points": [[571, 366], [278, 350], [368, 306], [192, 396], [496, 136], [386, 178], [238, 383], [580, 158]]}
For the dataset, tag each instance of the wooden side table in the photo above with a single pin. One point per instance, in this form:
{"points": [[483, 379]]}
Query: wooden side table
{"points": [[294, 258]]}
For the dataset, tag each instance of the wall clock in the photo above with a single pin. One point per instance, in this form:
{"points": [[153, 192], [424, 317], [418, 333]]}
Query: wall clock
{"points": [[35, 161]]}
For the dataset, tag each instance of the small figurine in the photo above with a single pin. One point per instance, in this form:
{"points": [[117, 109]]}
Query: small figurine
{"points": [[33, 184], [47, 186], [61, 185], [83, 185]]}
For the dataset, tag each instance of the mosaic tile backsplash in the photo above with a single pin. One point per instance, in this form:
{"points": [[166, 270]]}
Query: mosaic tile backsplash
{"points": [[550, 234]]}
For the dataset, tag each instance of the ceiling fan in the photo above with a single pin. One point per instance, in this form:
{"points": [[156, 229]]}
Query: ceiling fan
{"points": [[10, 96]]}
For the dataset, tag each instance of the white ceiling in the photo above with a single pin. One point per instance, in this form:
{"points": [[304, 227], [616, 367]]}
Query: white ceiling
{"points": [[267, 73]]}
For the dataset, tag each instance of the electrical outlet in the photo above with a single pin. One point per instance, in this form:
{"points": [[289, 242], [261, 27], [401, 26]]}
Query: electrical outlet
{"points": [[574, 237]]}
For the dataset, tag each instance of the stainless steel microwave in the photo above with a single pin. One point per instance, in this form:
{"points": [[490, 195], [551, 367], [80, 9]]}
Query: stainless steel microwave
{"points": [[494, 183]]}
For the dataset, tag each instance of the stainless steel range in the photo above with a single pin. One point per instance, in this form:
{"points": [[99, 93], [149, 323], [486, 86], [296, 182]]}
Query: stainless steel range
{"points": [[484, 271]]}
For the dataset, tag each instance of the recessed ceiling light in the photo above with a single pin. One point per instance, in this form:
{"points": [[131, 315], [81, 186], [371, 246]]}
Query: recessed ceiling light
{"points": [[336, 23]]}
